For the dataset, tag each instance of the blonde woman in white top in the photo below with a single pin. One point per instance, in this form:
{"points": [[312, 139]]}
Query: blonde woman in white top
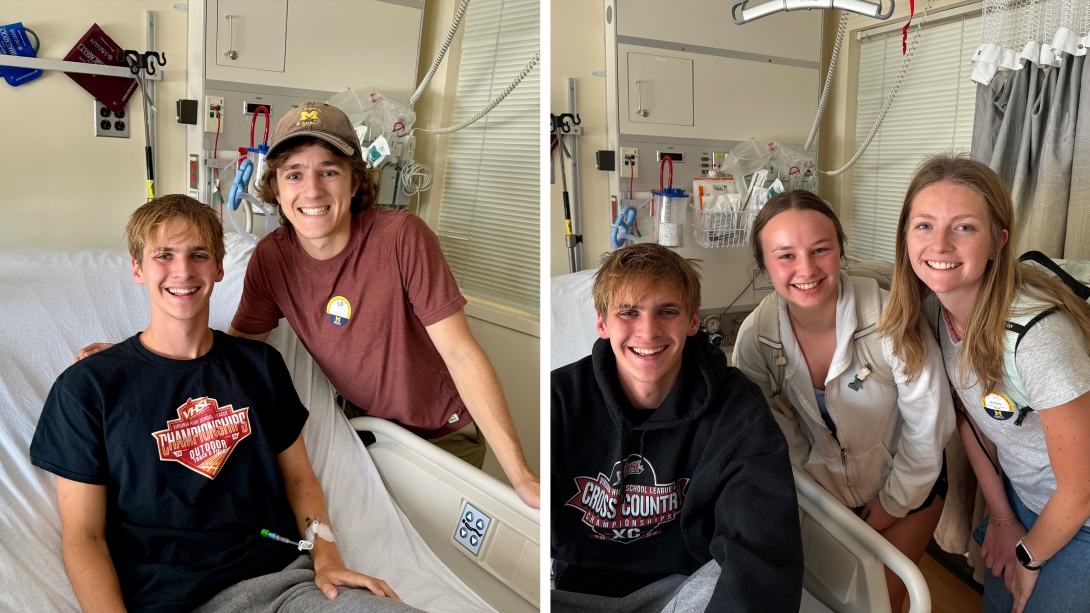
{"points": [[875, 446]]}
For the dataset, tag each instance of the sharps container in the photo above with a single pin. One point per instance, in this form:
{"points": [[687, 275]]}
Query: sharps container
{"points": [[671, 204]]}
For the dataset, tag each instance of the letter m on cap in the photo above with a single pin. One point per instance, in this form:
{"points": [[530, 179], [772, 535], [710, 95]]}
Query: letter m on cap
{"points": [[305, 115]]}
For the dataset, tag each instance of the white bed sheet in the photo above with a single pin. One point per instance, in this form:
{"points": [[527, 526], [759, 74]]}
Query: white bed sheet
{"points": [[54, 302]]}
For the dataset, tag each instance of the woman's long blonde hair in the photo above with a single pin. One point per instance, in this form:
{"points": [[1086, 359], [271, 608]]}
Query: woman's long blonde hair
{"points": [[1004, 278]]}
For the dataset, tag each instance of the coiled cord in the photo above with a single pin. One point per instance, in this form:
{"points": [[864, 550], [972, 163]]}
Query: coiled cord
{"points": [[415, 178], [442, 52], [889, 99], [828, 80], [491, 105]]}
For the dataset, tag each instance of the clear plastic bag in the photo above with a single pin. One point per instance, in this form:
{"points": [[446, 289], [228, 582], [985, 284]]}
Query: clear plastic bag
{"points": [[390, 118], [795, 168]]}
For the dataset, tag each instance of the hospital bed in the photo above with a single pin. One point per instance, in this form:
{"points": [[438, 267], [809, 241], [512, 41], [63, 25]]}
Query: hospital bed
{"points": [[844, 556], [396, 506]]}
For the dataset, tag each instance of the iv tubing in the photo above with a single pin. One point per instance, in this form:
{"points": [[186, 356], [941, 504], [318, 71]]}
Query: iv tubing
{"points": [[889, 99], [442, 52], [522, 75], [828, 80], [662, 165], [253, 124]]}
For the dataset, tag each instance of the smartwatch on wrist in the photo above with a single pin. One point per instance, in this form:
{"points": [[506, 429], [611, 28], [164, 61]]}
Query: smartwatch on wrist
{"points": [[1025, 558]]}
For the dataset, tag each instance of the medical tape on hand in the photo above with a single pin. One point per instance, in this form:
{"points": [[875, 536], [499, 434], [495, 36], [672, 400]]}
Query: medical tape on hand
{"points": [[321, 530]]}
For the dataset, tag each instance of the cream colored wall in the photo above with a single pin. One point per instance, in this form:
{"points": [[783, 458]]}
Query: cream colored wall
{"points": [[578, 49], [515, 355], [62, 186], [436, 105]]}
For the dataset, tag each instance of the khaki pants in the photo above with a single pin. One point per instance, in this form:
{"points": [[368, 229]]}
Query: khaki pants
{"points": [[466, 443]]}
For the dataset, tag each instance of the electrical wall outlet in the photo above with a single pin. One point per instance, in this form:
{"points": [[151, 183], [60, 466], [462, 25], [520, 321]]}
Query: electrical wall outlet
{"points": [[108, 123], [212, 104], [630, 162]]}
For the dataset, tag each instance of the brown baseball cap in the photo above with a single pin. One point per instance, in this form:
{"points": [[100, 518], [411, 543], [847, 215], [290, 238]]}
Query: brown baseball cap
{"points": [[319, 120]]}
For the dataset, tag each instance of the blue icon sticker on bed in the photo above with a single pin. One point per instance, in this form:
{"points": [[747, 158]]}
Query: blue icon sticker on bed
{"points": [[472, 526], [338, 310]]}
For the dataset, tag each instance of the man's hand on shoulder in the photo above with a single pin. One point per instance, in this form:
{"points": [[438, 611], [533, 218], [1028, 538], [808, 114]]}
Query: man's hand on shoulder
{"points": [[529, 492], [91, 349], [329, 576]]}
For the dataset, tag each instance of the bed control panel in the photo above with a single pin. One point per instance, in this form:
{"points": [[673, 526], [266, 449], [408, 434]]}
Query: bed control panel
{"points": [[472, 526]]}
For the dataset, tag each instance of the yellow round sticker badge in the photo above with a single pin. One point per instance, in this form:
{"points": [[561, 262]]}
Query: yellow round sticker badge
{"points": [[998, 406], [338, 310]]}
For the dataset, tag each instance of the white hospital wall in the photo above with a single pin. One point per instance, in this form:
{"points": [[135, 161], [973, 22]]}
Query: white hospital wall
{"points": [[60, 186], [578, 49]]}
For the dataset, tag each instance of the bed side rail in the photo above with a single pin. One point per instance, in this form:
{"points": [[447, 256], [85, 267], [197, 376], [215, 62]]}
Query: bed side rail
{"points": [[493, 544], [844, 556]]}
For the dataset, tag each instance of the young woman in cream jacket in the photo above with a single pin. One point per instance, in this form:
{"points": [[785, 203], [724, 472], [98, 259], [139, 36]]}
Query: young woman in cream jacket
{"points": [[875, 446]]}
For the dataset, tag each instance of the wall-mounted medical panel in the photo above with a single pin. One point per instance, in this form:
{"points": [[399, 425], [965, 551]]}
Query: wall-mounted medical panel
{"points": [[706, 24], [252, 34], [660, 89], [328, 45], [733, 99]]}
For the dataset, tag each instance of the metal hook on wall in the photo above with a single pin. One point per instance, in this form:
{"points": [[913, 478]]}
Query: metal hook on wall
{"points": [[141, 62]]}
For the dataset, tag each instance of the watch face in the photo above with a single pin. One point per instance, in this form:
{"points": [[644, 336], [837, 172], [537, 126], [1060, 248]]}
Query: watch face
{"points": [[1022, 554]]}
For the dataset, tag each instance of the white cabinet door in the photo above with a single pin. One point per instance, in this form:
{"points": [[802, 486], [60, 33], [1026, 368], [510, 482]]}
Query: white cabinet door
{"points": [[252, 34], [660, 89]]}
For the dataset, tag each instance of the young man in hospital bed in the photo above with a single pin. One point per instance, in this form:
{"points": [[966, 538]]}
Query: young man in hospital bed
{"points": [[671, 482], [175, 449], [370, 295]]}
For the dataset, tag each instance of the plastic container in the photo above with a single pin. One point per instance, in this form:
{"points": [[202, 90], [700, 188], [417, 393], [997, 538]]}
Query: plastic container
{"points": [[671, 204]]}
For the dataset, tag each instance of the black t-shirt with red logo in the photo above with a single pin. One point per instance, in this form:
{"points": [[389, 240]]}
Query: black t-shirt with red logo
{"points": [[187, 452]]}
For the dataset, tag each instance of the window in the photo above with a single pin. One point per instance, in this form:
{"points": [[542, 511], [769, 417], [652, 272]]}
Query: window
{"points": [[490, 217], [933, 111]]}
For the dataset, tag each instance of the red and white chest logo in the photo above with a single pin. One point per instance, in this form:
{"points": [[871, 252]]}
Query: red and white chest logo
{"points": [[203, 436], [629, 504]]}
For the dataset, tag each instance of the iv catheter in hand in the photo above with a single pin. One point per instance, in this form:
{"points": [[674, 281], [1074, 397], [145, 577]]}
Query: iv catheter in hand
{"points": [[862, 7], [302, 545]]}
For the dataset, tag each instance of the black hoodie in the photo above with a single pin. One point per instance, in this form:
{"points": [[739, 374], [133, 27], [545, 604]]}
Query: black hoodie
{"points": [[652, 493]]}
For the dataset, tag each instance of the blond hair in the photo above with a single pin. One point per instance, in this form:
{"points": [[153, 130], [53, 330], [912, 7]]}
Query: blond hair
{"points": [[366, 194], [1004, 278], [150, 220], [637, 270]]}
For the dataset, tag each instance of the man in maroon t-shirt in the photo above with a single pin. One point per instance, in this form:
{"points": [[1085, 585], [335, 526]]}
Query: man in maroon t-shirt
{"points": [[371, 297]]}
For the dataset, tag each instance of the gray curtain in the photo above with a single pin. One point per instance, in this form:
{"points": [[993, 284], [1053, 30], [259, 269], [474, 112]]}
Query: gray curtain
{"points": [[1031, 129]]}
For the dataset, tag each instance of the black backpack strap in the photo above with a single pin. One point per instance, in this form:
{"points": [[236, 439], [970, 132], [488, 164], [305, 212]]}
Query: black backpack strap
{"points": [[1021, 330], [1080, 290]]}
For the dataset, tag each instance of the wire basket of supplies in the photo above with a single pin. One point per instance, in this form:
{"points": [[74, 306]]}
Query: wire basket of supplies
{"points": [[713, 229]]}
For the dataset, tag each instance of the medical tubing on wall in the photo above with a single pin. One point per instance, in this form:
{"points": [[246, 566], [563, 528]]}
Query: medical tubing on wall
{"points": [[828, 80], [510, 88], [889, 99], [249, 212], [442, 52]]}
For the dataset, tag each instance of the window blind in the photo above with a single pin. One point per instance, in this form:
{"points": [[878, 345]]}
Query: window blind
{"points": [[489, 222], [933, 111]]}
